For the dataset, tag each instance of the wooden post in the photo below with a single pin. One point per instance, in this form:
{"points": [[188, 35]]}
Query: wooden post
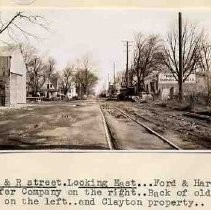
{"points": [[180, 75]]}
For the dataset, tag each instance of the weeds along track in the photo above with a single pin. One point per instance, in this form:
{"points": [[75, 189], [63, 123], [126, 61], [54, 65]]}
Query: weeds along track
{"points": [[115, 143]]}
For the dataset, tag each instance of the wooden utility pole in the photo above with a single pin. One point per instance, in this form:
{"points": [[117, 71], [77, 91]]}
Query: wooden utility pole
{"points": [[180, 75], [86, 91], [108, 81], [127, 63], [114, 66]]}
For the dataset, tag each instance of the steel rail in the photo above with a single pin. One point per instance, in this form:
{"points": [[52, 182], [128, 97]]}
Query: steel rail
{"points": [[107, 131], [148, 129]]}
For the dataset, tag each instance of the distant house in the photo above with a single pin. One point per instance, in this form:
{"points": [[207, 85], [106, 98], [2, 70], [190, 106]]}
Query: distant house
{"points": [[12, 77], [50, 88], [71, 92]]}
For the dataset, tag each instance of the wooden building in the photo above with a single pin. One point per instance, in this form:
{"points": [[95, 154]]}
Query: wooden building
{"points": [[165, 85], [12, 77]]}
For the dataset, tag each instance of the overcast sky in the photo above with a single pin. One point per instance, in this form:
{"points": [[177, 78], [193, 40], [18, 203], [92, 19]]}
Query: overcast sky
{"points": [[100, 33]]}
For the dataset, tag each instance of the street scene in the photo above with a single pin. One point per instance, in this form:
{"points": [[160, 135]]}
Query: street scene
{"points": [[95, 79]]}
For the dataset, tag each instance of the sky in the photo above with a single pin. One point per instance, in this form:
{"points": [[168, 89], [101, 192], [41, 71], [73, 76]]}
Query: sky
{"points": [[100, 33]]}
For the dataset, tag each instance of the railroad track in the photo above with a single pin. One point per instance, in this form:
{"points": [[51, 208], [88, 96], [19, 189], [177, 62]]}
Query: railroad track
{"points": [[108, 134], [112, 141]]}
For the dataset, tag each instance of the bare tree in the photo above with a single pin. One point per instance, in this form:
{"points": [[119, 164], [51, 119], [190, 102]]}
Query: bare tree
{"points": [[38, 70], [50, 67], [205, 65], [191, 46], [85, 81], [28, 52], [36, 75], [146, 57], [67, 78], [14, 27], [85, 78]]}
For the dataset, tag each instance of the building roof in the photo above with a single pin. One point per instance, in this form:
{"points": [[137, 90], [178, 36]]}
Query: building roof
{"points": [[54, 82]]}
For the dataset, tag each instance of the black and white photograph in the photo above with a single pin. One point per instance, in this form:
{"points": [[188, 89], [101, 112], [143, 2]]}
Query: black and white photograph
{"points": [[105, 79]]}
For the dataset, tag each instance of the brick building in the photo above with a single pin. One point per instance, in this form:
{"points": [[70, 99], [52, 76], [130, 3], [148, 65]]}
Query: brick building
{"points": [[12, 77]]}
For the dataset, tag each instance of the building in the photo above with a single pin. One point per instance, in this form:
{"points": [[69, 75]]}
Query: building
{"points": [[72, 91], [165, 86], [52, 88], [12, 77]]}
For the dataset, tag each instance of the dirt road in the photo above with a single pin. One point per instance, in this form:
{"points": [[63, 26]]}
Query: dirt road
{"points": [[53, 125], [80, 125]]}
